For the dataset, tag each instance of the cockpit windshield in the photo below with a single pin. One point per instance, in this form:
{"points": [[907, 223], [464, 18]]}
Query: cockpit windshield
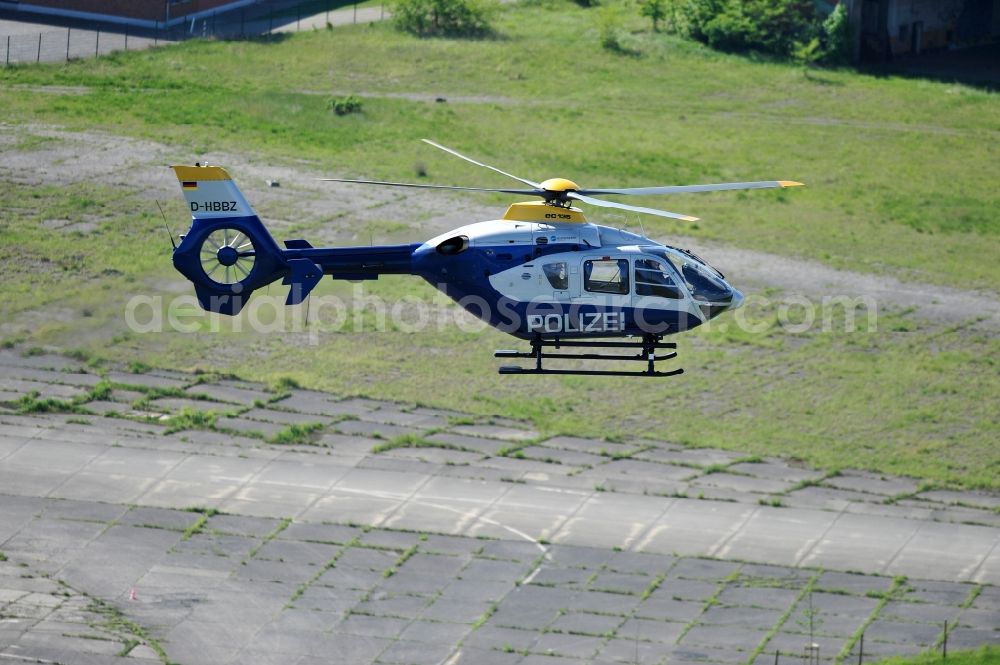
{"points": [[704, 285], [698, 259], [704, 282]]}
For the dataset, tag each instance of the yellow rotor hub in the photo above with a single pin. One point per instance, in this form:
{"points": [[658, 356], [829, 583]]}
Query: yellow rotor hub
{"points": [[559, 185]]}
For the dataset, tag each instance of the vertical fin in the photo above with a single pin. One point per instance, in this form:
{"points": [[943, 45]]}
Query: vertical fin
{"points": [[211, 193]]}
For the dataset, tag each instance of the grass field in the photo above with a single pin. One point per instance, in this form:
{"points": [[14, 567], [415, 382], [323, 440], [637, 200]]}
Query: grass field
{"points": [[986, 655], [901, 177]]}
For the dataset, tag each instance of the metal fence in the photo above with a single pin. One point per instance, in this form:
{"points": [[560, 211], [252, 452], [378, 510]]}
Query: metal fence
{"points": [[88, 39], [61, 45], [810, 655]]}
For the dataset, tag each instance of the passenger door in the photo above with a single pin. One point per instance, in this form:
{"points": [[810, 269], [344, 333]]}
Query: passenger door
{"points": [[605, 282]]}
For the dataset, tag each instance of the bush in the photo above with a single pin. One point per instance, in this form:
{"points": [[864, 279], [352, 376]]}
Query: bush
{"points": [[344, 105], [807, 54], [693, 15], [448, 18], [837, 37], [769, 26], [611, 27], [731, 31]]}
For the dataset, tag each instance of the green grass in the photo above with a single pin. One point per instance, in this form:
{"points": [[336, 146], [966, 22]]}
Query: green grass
{"points": [[115, 621], [188, 418], [196, 527], [898, 588], [282, 525], [804, 593], [907, 399], [416, 441], [32, 403], [985, 655], [297, 433]]}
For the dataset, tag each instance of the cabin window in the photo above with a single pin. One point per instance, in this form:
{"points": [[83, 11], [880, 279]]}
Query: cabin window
{"points": [[652, 279], [557, 275], [606, 276]]}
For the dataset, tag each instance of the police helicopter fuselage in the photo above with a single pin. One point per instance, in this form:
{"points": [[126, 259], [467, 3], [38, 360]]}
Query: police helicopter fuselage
{"points": [[571, 278]]}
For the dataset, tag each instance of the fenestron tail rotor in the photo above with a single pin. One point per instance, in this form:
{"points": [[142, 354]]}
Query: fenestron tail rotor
{"points": [[561, 192], [227, 256]]}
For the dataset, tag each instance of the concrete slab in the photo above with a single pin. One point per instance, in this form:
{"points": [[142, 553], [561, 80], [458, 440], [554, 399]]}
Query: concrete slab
{"points": [[875, 540], [558, 456], [504, 433], [781, 535], [740, 483], [952, 497], [958, 550], [592, 446], [484, 446], [690, 526], [871, 483]]}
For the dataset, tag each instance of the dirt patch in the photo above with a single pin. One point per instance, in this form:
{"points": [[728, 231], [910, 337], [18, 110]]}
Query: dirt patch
{"points": [[67, 225], [54, 89]]}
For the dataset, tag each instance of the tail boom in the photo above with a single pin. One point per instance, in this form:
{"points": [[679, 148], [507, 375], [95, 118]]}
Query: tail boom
{"points": [[228, 253]]}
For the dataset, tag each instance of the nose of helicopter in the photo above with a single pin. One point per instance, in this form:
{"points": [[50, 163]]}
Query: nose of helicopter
{"points": [[737, 300]]}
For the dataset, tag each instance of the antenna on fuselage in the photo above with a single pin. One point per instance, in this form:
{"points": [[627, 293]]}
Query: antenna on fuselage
{"points": [[641, 227], [166, 226]]}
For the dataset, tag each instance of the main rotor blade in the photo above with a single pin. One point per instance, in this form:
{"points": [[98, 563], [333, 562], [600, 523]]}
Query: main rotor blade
{"points": [[492, 168], [622, 206], [686, 189], [534, 192]]}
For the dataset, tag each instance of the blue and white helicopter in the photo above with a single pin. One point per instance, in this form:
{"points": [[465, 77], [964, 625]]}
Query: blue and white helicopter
{"points": [[542, 272]]}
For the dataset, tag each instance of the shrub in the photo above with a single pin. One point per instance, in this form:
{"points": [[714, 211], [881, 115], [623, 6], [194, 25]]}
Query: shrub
{"points": [[769, 26], [610, 27], [731, 31], [447, 18], [693, 15], [344, 105], [837, 37]]}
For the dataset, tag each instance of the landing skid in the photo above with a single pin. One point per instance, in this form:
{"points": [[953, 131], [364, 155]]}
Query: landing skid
{"points": [[647, 354]]}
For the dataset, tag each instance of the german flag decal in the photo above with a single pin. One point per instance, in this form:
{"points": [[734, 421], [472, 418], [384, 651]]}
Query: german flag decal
{"points": [[189, 184]]}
